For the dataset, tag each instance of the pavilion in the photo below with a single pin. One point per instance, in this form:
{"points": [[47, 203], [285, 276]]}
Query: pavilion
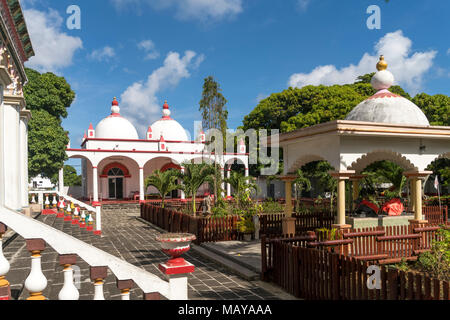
{"points": [[386, 126], [115, 161]]}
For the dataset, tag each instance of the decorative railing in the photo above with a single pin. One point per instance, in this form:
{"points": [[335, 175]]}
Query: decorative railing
{"points": [[50, 202], [38, 235]]}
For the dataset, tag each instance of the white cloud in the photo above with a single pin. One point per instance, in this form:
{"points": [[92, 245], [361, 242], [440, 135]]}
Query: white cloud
{"points": [[302, 5], [204, 10], [408, 68], [139, 102], [149, 47], [448, 51], [53, 48], [103, 54]]}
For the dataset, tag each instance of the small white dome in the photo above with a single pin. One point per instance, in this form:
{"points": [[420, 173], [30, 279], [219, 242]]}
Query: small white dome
{"points": [[385, 106], [115, 126], [168, 128]]}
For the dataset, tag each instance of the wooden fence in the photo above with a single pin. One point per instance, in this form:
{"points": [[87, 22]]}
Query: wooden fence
{"points": [[436, 214], [314, 274], [270, 224], [205, 229]]}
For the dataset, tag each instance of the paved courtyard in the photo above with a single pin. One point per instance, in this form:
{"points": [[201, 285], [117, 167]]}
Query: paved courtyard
{"points": [[134, 241]]}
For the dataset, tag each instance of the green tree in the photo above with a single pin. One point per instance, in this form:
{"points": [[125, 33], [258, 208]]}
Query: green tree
{"points": [[71, 178], [386, 172], [165, 182], [47, 142], [436, 108], [193, 177], [215, 115], [48, 97]]}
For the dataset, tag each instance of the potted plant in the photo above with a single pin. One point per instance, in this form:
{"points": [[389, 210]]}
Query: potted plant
{"points": [[246, 227]]}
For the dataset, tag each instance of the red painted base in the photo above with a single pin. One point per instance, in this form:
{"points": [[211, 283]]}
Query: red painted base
{"points": [[75, 221], [176, 267], [67, 218], [90, 228], [82, 225], [47, 212], [98, 232], [60, 215]]}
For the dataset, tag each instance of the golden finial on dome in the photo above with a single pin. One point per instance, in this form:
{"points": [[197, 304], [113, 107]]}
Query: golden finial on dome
{"points": [[382, 65]]}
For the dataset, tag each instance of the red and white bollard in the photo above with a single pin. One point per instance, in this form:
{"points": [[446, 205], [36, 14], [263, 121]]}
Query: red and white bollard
{"points": [[176, 269]]}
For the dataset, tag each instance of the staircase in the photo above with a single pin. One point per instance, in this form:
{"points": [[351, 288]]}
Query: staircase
{"points": [[69, 267]]}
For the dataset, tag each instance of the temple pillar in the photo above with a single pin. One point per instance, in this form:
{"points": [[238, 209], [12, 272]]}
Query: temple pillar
{"points": [[183, 195], [222, 186], [95, 185], [25, 116], [341, 177], [228, 184], [141, 184], [412, 194], [61, 181], [416, 178], [288, 222]]}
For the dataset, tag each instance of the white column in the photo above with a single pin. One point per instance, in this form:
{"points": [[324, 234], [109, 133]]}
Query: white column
{"points": [[228, 184], [98, 219], [24, 160], [11, 152], [247, 172], [95, 184], [61, 181], [222, 172], [183, 195], [178, 287], [68, 291], [141, 184]]}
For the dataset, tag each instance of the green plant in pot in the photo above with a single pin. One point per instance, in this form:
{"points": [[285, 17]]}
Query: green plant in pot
{"points": [[246, 227]]}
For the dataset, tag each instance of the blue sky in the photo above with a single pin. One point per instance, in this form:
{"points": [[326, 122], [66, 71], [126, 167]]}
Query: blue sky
{"points": [[146, 51]]}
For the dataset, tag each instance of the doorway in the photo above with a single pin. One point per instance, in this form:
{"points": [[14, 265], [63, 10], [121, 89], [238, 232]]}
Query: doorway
{"points": [[115, 184]]}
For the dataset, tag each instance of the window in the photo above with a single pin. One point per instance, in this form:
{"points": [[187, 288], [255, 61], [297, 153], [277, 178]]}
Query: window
{"points": [[115, 172]]}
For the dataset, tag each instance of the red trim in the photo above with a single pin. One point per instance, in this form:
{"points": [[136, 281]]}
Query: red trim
{"points": [[168, 270], [170, 166], [96, 204], [15, 35], [166, 152], [141, 140], [115, 165], [98, 232]]}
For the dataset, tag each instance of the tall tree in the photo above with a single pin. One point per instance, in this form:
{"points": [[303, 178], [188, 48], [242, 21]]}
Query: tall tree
{"points": [[215, 115], [48, 97]]}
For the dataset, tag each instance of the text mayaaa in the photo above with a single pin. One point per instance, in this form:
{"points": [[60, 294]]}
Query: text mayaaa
{"points": [[238, 309]]}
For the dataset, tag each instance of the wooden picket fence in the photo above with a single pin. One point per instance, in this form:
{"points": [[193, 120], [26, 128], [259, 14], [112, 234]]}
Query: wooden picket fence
{"points": [[205, 229], [313, 274], [271, 224], [436, 214]]}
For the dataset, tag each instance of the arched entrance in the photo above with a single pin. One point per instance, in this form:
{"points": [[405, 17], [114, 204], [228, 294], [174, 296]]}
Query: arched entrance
{"points": [[115, 184]]}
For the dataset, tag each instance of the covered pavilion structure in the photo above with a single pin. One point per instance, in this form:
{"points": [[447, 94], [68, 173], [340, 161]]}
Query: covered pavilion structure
{"points": [[384, 127]]}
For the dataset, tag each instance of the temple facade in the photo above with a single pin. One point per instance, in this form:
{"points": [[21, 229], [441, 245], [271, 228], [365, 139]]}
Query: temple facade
{"points": [[115, 161], [15, 50]]}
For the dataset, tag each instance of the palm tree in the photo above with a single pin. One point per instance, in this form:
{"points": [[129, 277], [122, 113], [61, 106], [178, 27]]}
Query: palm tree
{"points": [[301, 183], [193, 177], [241, 185], [165, 182]]}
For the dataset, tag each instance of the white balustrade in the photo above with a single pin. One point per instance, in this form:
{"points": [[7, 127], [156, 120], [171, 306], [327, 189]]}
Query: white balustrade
{"points": [[98, 275], [33, 199], [4, 264], [125, 287], [47, 201], [36, 281], [69, 291]]}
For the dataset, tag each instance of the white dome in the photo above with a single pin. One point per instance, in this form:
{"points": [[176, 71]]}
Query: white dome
{"points": [[168, 128], [115, 126], [386, 107]]}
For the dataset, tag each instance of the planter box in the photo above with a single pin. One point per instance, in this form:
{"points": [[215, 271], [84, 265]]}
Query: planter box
{"points": [[378, 222]]}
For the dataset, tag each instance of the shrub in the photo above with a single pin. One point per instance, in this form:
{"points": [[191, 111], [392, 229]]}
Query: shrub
{"points": [[437, 261]]}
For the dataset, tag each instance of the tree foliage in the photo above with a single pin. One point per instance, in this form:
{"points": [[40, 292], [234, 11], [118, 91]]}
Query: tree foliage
{"points": [[165, 182], [71, 178], [47, 142], [48, 97]]}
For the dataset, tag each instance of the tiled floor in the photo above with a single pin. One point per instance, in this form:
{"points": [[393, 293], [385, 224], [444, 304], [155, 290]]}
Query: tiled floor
{"points": [[134, 241]]}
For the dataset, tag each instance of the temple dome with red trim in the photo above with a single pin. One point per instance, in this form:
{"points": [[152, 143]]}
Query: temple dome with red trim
{"points": [[385, 106], [115, 126], [168, 128]]}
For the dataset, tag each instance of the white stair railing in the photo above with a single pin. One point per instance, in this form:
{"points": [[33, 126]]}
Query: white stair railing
{"points": [[38, 234]]}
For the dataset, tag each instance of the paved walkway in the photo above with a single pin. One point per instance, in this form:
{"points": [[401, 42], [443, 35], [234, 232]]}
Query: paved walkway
{"points": [[127, 237]]}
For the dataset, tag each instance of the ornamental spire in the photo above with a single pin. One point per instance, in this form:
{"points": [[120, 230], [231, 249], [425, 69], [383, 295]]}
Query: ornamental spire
{"points": [[382, 65], [115, 110], [383, 79], [166, 111]]}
